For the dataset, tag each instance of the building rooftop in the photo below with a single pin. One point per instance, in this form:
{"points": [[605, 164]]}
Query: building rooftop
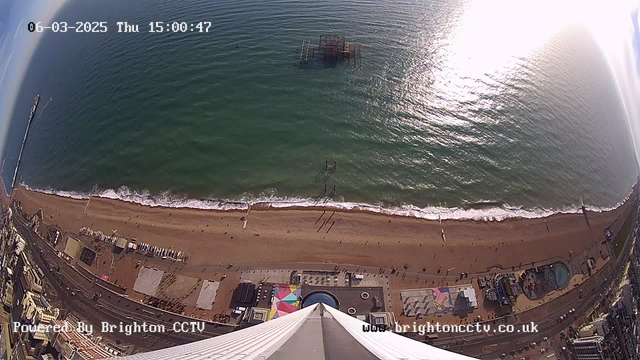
{"points": [[588, 339], [85, 347], [258, 315], [40, 302], [587, 330], [470, 294], [120, 242]]}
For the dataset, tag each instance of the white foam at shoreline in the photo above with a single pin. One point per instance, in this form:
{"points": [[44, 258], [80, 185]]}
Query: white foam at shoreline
{"points": [[167, 199]]}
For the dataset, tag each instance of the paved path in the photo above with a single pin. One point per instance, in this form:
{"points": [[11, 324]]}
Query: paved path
{"points": [[330, 267]]}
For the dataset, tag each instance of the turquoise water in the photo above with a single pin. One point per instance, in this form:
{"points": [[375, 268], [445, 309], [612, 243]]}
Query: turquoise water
{"points": [[426, 121]]}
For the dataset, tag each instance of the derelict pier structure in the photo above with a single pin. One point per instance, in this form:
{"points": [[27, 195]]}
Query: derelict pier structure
{"points": [[330, 48]]}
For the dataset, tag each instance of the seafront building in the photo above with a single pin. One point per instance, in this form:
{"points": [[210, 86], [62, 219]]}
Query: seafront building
{"points": [[624, 330], [588, 348], [601, 325], [614, 334], [29, 278], [73, 344], [37, 311], [24, 303]]}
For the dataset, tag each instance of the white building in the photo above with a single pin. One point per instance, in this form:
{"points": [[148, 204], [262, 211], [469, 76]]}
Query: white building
{"points": [[587, 330], [37, 311], [317, 332], [602, 327], [588, 348], [31, 279], [470, 295], [625, 294]]}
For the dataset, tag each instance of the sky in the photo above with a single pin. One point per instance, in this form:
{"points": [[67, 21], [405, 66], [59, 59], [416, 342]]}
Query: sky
{"points": [[17, 45], [617, 32], [623, 55]]}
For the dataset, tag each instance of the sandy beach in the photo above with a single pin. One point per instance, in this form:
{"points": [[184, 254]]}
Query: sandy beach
{"points": [[312, 235]]}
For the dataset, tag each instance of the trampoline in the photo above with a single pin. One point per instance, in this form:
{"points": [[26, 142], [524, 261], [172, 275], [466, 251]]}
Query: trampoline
{"points": [[561, 273]]}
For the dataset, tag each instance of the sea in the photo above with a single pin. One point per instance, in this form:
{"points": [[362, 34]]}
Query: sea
{"points": [[453, 109]]}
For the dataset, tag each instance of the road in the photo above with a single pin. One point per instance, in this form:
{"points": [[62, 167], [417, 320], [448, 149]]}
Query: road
{"points": [[109, 306], [545, 316]]}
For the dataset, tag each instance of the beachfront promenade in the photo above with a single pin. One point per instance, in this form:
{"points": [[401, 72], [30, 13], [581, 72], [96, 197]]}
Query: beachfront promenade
{"points": [[417, 276], [472, 345], [291, 236], [112, 305], [420, 279], [582, 298]]}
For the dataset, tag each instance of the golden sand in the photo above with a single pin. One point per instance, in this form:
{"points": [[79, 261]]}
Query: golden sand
{"points": [[312, 235]]}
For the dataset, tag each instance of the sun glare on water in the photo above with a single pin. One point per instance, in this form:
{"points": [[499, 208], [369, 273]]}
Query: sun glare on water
{"points": [[490, 38], [490, 33]]}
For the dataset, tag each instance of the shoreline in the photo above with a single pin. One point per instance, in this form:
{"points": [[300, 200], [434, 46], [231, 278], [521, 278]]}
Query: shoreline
{"points": [[217, 242], [489, 214], [213, 237]]}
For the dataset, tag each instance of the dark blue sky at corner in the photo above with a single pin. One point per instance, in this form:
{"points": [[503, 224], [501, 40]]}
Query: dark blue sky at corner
{"points": [[636, 37]]}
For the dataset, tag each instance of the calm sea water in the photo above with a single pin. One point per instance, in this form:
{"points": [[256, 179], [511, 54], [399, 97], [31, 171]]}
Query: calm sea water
{"points": [[434, 115]]}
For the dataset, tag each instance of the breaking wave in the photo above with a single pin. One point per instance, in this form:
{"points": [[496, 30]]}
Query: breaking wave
{"points": [[167, 199]]}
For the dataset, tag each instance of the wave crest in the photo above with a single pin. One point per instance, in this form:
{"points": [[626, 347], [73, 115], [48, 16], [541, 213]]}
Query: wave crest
{"points": [[269, 199]]}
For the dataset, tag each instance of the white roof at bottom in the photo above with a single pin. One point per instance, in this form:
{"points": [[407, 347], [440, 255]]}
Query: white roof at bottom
{"points": [[255, 342], [389, 345], [261, 341]]}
